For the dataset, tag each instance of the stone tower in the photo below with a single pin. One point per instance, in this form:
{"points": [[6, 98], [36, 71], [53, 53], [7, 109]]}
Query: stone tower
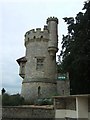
{"points": [[38, 66]]}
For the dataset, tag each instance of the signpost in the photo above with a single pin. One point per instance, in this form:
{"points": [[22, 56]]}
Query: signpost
{"points": [[62, 77]]}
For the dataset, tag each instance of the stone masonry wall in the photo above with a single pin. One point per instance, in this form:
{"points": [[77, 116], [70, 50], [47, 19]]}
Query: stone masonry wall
{"points": [[31, 89], [39, 49], [63, 87], [23, 113], [43, 78], [65, 103]]}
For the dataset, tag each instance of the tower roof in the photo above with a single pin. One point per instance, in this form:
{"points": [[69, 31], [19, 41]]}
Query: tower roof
{"points": [[22, 59]]}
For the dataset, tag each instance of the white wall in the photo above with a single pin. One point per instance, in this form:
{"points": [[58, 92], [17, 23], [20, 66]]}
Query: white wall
{"points": [[82, 107], [65, 113], [71, 113], [80, 112], [60, 113]]}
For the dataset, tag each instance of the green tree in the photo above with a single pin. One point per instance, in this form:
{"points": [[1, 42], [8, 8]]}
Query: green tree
{"points": [[76, 51], [12, 100]]}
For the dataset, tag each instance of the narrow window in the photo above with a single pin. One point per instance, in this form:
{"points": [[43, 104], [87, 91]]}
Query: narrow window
{"points": [[28, 39], [39, 88], [22, 68], [41, 36]]}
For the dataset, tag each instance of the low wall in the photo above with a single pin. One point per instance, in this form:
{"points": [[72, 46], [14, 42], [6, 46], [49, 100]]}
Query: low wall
{"points": [[65, 103], [26, 112]]}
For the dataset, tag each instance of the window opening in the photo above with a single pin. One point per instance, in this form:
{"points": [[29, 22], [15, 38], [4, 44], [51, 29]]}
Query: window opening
{"points": [[40, 63], [22, 68], [41, 36], [34, 37], [28, 39], [39, 88]]}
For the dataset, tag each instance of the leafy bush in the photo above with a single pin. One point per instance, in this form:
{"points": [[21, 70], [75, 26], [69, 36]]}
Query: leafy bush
{"points": [[12, 100], [44, 101]]}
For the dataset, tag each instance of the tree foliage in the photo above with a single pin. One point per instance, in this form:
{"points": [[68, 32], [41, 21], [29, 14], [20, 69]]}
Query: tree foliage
{"points": [[75, 51], [12, 100]]}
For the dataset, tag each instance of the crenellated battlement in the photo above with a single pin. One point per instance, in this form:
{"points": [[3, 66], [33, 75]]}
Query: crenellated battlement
{"points": [[37, 30], [49, 34], [36, 34], [52, 19]]}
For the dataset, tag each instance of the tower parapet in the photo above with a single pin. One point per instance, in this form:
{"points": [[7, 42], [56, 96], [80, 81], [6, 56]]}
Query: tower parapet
{"points": [[52, 19], [36, 34]]}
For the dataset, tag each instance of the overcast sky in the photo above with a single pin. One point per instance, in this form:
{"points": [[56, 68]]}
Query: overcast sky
{"points": [[18, 17]]}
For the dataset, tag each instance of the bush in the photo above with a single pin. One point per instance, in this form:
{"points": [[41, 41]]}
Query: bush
{"points": [[44, 101], [12, 100]]}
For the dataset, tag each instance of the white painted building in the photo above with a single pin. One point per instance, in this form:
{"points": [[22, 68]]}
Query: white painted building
{"points": [[72, 107]]}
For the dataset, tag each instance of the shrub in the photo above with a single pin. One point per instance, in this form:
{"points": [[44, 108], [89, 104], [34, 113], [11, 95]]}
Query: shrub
{"points": [[43, 101], [12, 100]]}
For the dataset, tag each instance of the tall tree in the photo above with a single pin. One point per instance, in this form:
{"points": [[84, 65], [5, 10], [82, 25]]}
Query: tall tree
{"points": [[76, 51]]}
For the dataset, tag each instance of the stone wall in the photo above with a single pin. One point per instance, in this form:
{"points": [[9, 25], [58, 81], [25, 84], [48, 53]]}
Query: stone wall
{"points": [[26, 112], [71, 104], [63, 87], [35, 50], [65, 103], [45, 78], [47, 90]]}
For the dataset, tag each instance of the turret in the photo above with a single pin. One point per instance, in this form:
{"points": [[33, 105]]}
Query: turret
{"points": [[36, 35], [52, 23], [22, 61]]}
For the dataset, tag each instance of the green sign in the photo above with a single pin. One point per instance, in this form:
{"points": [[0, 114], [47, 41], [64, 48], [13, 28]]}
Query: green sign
{"points": [[62, 77]]}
